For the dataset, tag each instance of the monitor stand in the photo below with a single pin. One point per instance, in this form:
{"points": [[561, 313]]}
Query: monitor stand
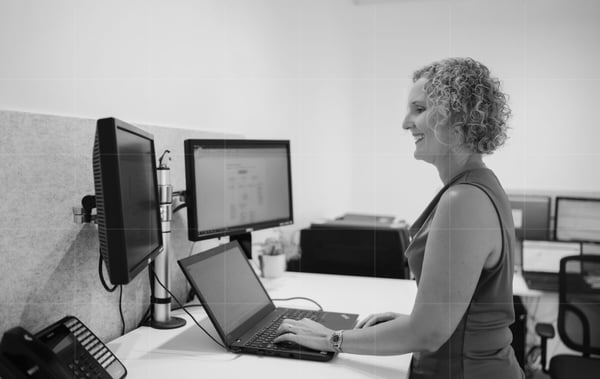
{"points": [[245, 240], [161, 296]]}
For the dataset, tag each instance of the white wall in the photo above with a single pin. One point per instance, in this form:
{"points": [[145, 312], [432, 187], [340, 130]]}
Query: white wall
{"points": [[331, 75]]}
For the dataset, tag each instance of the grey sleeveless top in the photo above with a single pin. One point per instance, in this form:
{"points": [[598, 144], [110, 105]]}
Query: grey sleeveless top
{"points": [[480, 345]]}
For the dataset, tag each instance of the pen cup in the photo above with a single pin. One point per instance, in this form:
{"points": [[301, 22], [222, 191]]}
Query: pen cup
{"points": [[272, 266]]}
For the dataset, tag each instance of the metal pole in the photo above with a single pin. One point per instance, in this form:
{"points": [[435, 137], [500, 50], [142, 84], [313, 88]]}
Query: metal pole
{"points": [[161, 300]]}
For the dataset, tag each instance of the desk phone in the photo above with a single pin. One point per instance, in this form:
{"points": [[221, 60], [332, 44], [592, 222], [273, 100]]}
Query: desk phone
{"points": [[65, 349]]}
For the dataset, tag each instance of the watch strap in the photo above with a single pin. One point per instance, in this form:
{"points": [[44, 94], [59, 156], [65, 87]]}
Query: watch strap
{"points": [[336, 340]]}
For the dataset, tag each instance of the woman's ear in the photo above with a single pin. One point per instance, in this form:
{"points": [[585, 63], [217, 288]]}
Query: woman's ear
{"points": [[456, 139]]}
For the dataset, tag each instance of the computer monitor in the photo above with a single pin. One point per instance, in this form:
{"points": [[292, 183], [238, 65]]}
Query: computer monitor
{"points": [[128, 212], [234, 187], [577, 219], [531, 216]]}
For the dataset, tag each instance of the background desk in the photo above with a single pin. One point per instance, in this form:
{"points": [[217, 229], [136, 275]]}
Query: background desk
{"points": [[188, 353]]}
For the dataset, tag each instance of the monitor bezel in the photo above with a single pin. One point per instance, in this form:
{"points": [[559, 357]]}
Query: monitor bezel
{"points": [[556, 210], [237, 332], [522, 199], [117, 262], [194, 234]]}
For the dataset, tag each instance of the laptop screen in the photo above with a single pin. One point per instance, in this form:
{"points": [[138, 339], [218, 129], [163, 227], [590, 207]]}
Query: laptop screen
{"points": [[228, 285], [545, 256]]}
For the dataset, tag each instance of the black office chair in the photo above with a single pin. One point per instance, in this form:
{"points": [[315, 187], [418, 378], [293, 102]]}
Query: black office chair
{"points": [[578, 319]]}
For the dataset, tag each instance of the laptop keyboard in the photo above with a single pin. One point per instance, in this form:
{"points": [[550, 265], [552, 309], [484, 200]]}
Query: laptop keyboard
{"points": [[264, 337]]}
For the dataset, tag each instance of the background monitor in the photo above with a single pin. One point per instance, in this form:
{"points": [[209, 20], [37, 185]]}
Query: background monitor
{"points": [[234, 187], [128, 210], [531, 216], [545, 256], [577, 219]]}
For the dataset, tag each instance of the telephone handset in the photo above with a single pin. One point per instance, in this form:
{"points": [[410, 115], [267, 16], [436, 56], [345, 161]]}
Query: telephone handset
{"points": [[65, 349]]}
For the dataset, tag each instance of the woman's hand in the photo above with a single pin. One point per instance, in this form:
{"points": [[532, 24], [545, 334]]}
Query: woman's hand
{"points": [[305, 332], [375, 319]]}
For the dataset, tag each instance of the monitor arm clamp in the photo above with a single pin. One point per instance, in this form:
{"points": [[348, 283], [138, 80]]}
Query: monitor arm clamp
{"points": [[84, 214]]}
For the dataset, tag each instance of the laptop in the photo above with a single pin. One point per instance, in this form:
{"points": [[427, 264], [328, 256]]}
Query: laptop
{"points": [[540, 261], [241, 310]]}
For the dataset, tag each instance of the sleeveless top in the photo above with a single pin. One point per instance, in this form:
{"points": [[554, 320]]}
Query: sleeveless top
{"points": [[480, 347]]}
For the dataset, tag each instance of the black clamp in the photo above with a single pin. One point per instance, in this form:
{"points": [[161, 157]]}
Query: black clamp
{"points": [[85, 214]]}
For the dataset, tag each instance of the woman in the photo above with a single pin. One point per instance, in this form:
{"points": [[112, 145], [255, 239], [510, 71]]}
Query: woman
{"points": [[462, 244]]}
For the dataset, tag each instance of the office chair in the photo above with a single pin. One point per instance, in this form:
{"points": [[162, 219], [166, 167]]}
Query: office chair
{"points": [[578, 319]]}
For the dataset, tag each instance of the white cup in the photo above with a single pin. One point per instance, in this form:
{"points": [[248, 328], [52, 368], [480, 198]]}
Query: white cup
{"points": [[272, 266]]}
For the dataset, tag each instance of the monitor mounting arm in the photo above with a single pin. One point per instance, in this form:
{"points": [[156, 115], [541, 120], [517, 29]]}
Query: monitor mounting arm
{"points": [[161, 300]]}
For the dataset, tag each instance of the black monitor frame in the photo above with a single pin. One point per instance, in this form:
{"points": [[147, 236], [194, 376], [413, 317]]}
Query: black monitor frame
{"points": [[239, 232], [536, 223], [556, 214], [109, 202]]}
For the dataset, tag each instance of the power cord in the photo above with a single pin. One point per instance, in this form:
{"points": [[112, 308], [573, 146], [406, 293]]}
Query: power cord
{"points": [[182, 198], [179, 207], [101, 274], [301, 298], [121, 310], [185, 310], [148, 311], [109, 289]]}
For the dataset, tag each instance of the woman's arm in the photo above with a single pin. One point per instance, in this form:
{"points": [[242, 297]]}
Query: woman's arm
{"points": [[464, 237]]}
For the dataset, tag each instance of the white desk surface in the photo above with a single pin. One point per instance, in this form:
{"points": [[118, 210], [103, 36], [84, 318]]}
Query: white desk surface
{"points": [[188, 353], [520, 287]]}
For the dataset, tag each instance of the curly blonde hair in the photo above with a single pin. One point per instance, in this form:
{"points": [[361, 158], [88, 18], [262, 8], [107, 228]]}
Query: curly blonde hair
{"points": [[466, 98]]}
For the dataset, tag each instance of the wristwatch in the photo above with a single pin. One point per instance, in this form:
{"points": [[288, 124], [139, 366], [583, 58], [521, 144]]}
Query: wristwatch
{"points": [[336, 340]]}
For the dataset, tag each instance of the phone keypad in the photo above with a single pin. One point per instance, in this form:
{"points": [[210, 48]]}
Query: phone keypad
{"points": [[95, 360]]}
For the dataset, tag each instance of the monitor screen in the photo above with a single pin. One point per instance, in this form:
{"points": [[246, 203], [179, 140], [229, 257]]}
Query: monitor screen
{"points": [[128, 210], [545, 256], [227, 286], [237, 186], [577, 219], [531, 216]]}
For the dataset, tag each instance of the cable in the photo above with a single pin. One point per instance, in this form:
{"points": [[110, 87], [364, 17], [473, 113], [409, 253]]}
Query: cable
{"points": [[108, 289], [188, 306], [190, 297], [145, 316], [179, 207], [102, 276], [182, 200], [121, 310], [300, 298], [185, 310]]}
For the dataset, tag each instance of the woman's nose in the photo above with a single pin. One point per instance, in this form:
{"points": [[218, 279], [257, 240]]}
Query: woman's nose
{"points": [[408, 123]]}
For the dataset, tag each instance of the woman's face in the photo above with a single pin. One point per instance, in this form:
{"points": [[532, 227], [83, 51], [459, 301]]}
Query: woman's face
{"points": [[429, 145]]}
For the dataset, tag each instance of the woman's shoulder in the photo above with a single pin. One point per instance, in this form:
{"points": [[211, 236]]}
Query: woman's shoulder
{"points": [[465, 192], [467, 204]]}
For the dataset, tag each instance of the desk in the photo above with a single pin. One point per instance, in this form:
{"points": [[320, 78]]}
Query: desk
{"points": [[188, 353], [520, 287]]}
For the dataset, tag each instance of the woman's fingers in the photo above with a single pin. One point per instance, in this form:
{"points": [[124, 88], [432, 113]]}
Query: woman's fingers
{"points": [[366, 322], [287, 326], [375, 319], [311, 342], [304, 327]]}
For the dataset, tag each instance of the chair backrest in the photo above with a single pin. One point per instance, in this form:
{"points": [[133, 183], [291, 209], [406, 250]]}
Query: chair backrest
{"points": [[579, 303]]}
